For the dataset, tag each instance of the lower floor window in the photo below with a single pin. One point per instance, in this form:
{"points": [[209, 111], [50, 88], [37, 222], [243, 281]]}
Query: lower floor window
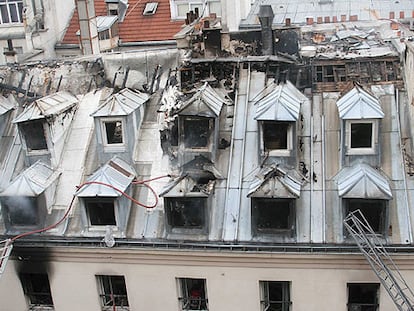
{"points": [[275, 296], [37, 290], [363, 296], [113, 292], [192, 294]]}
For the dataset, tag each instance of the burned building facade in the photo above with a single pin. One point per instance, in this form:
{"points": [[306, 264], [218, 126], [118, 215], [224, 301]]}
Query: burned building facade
{"points": [[224, 182]]}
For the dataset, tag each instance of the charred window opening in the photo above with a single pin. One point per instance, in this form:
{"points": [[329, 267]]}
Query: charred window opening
{"points": [[273, 215], [101, 211], [21, 211], [34, 135], [374, 212], [363, 297], [37, 290], [113, 132], [189, 213], [112, 291], [361, 135], [275, 296], [192, 294], [276, 135], [197, 132]]}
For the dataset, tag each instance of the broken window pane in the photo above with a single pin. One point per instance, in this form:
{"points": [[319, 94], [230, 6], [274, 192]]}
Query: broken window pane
{"points": [[112, 291], [197, 132], [21, 211], [273, 215], [101, 211], [186, 212], [113, 131], [275, 135], [275, 296], [361, 135], [37, 289], [363, 297], [192, 294], [34, 135], [373, 210]]}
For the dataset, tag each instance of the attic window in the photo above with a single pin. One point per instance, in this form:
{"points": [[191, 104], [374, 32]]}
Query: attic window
{"points": [[186, 213], [101, 211], [273, 215], [150, 8], [113, 133], [34, 135], [361, 136], [197, 132], [21, 211], [277, 137], [374, 212]]}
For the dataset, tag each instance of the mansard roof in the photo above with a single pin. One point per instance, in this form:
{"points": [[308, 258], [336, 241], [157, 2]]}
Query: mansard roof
{"points": [[121, 104], [363, 181], [282, 103], [47, 106], [116, 173], [5, 104], [359, 104]]}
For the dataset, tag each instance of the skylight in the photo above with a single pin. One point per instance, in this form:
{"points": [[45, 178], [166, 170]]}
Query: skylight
{"points": [[150, 8]]}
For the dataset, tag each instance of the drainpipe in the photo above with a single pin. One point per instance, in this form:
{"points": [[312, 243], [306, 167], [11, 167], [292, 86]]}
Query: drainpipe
{"points": [[266, 20], [88, 29]]}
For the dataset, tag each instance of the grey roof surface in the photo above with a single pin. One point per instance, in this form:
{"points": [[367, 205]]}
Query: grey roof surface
{"points": [[363, 181], [47, 106], [32, 181], [105, 22], [298, 10], [115, 172], [5, 104], [359, 104], [282, 103], [121, 104]]}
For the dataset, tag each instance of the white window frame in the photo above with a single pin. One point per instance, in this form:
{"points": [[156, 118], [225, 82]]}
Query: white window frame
{"points": [[91, 227], [103, 294], [150, 8], [184, 297], [174, 7], [264, 295], [8, 4], [116, 146], [374, 138], [278, 152]]}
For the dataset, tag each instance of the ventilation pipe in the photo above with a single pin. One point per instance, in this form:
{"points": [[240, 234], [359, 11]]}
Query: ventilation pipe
{"points": [[88, 29], [266, 20]]}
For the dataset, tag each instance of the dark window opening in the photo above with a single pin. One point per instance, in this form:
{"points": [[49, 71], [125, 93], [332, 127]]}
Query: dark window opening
{"points": [[275, 135], [101, 212], [34, 135], [113, 132], [186, 212], [37, 289], [273, 215], [374, 212], [112, 291], [197, 132], [104, 35], [21, 211], [275, 296], [363, 297], [361, 135], [112, 12], [193, 294]]}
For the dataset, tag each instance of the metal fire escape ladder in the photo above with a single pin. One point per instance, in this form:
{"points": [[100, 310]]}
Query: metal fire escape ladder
{"points": [[5, 250], [380, 261]]}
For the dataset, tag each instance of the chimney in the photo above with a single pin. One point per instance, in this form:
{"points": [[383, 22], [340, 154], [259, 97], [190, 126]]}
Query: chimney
{"points": [[266, 20], [87, 24]]}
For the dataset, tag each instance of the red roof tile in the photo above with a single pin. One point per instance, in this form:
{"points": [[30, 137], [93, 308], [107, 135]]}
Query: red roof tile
{"points": [[135, 27]]}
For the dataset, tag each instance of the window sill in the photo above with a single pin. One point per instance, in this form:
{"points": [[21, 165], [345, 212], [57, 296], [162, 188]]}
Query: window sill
{"points": [[361, 151], [278, 153], [114, 148]]}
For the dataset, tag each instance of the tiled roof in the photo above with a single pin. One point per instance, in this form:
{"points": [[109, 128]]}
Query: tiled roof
{"points": [[135, 27]]}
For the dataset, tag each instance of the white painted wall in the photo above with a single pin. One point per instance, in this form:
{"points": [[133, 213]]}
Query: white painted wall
{"points": [[233, 11]]}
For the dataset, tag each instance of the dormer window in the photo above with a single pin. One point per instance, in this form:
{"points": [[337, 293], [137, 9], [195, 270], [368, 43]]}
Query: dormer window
{"points": [[197, 132], [277, 113], [361, 113], [21, 211], [112, 130], [34, 135], [186, 213], [101, 211]]}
